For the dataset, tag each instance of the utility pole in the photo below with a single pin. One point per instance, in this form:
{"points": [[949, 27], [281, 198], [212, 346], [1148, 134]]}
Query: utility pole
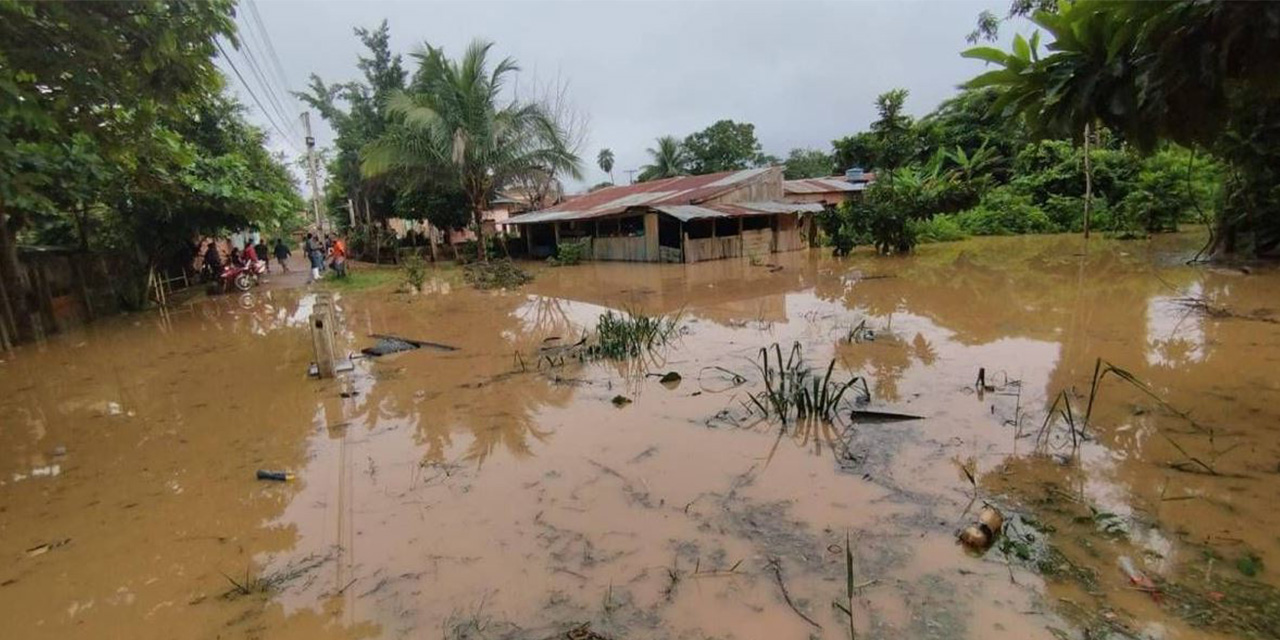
{"points": [[311, 168], [631, 176]]}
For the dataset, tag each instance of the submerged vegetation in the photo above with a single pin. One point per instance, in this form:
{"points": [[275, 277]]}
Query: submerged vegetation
{"points": [[631, 334], [495, 274], [794, 392]]}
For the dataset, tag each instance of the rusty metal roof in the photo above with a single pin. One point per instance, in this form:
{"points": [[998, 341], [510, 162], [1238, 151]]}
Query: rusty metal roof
{"points": [[683, 190], [821, 185], [687, 212]]}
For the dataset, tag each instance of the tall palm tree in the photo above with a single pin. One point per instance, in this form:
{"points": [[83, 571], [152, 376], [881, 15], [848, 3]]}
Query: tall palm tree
{"points": [[452, 117], [605, 160], [667, 161]]}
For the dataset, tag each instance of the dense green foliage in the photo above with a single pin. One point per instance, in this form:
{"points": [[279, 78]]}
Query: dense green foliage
{"points": [[808, 163], [1199, 74], [723, 146], [963, 171], [115, 133]]}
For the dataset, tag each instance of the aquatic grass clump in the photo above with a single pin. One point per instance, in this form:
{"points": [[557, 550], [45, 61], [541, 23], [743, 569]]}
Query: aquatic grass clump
{"points": [[495, 274], [793, 392], [1077, 425], [620, 336]]}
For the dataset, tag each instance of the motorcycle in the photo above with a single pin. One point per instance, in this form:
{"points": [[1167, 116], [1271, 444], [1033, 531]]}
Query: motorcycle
{"points": [[243, 278]]}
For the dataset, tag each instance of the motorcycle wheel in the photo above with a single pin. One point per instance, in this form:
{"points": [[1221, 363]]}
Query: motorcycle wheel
{"points": [[243, 282]]}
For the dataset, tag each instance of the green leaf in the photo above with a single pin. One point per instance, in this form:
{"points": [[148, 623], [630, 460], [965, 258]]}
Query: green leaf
{"points": [[986, 54], [1021, 48]]}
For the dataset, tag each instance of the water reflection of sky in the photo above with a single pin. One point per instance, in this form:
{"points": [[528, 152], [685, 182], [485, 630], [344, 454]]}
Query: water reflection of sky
{"points": [[1175, 331]]}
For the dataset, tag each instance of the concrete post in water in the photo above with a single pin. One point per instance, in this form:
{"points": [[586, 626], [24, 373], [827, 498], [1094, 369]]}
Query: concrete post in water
{"points": [[322, 335]]}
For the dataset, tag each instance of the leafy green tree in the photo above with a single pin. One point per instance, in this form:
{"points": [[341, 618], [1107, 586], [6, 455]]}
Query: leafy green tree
{"points": [[1200, 74], [723, 146], [357, 112], [667, 160], [90, 81], [808, 163], [857, 150], [892, 136], [452, 115], [605, 160]]}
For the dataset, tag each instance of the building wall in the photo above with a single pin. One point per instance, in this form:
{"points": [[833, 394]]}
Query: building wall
{"points": [[634, 249], [830, 199], [712, 248], [757, 242], [765, 187], [789, 236]]}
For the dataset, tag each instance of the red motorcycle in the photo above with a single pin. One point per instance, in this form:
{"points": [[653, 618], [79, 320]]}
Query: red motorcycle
{"points": [[243, 278]]}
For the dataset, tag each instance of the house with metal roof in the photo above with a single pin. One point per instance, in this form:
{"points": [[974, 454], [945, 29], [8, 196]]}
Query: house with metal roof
{"points": [[829, 191], [683, 219]]}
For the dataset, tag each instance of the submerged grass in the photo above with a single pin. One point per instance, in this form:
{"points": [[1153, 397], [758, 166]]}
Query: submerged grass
{"points": [[628, 335], [495, 274], [794, 392], [1077, 425]]}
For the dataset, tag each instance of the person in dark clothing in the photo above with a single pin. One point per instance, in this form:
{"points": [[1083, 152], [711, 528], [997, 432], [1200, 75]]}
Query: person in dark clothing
{"points": [[212, 261], [264, 252], [282, 255]]}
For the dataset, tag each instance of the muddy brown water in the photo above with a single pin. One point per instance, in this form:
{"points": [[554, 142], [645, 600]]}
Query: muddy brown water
{"points": [[450, 494]]}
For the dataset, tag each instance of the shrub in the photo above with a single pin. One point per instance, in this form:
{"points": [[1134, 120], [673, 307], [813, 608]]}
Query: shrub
{"points": [[1005, 211], [941, 228], [569, 252], [495, 274], [415, 270]]}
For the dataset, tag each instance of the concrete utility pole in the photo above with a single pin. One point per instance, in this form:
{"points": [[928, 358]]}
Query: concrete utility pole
{"points": [[311, 167], [631, 176]]}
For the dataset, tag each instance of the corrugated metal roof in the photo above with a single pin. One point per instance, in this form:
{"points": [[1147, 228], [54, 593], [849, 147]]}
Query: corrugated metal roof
{"points": [[687, 212], [683, 190], [821, 185]]}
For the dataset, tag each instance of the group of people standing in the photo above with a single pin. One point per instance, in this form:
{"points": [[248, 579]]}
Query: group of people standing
{"points": [[317, 249], [252, 252]]}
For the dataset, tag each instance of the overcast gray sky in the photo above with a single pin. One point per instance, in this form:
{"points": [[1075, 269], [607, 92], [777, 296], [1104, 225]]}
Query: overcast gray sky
{"points": [[803, 72]]}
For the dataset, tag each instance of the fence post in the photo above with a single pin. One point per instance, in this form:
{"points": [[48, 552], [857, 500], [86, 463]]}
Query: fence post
{"points": [[322, 335]]}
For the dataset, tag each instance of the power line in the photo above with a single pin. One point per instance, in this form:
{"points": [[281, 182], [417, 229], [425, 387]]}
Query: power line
{"points": [[271, 49], [268, 90], [265, 112], [264, 40]]}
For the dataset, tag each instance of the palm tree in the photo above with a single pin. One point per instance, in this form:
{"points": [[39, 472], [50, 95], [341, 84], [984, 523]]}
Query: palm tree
{"points": [[667, 161], [450, 117], [605, 160]]}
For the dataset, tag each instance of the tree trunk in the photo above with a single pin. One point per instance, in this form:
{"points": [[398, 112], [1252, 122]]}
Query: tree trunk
{"points": [[15, 286], [478, 218], [1088, 183]]}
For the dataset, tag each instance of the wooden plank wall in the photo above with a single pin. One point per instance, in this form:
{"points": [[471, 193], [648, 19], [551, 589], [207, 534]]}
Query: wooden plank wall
{"points": [[789, 237], [757, 243], [712, 248], [764, 187], [634, 249]]}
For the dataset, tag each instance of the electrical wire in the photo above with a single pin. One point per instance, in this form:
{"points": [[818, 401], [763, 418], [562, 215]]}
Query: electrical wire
{"points": [[254, 96], [254, 27]]}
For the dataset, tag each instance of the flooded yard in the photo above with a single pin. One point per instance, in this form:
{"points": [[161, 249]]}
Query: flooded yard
{"points": [[497, 491]]}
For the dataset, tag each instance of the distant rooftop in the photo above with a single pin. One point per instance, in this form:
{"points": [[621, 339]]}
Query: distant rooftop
{"points": [[667, 195]]}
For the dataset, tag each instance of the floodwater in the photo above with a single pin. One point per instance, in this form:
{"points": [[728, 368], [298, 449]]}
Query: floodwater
{"points": [[482, 493]]}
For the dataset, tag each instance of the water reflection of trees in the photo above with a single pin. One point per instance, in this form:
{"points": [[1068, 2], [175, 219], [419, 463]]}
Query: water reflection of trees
{"points": [[479, 390]]}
